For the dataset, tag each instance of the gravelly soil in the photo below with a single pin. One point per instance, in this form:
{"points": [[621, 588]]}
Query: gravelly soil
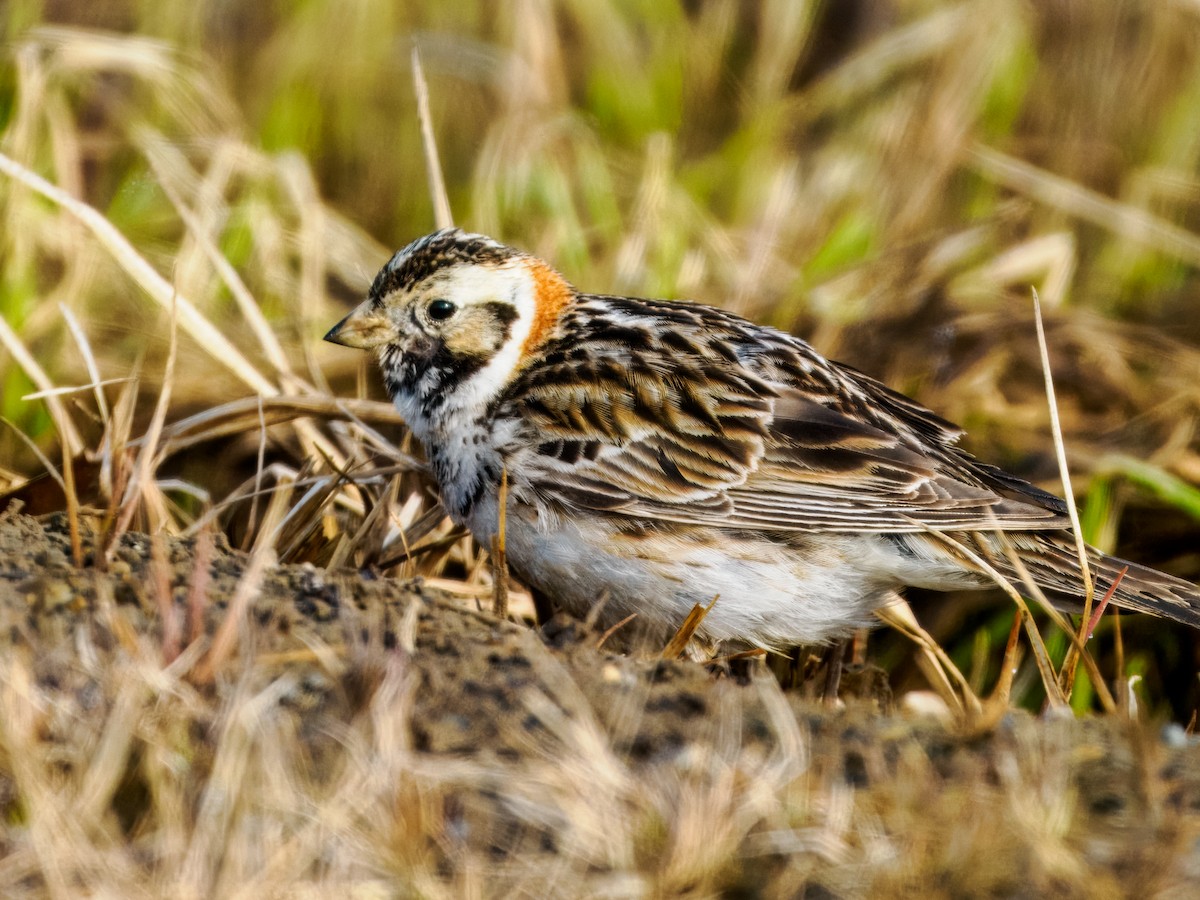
{"points": [[497, 694]]}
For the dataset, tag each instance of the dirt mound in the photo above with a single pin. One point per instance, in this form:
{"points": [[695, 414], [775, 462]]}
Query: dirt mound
{"points": [[374, 734]]}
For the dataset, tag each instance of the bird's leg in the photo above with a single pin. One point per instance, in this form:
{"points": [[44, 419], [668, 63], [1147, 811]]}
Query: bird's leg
{"points": [[858, 646], [543, 606], [833, 657]]}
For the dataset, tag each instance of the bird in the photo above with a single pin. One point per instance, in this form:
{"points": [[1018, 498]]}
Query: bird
{"points": [[662, 454]]}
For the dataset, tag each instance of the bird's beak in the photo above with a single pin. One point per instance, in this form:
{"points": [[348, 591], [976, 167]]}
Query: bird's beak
{"points": [[363, 329]]}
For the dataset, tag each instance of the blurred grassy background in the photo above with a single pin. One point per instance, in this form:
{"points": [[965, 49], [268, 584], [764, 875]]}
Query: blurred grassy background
{"points": [[886, 178]]}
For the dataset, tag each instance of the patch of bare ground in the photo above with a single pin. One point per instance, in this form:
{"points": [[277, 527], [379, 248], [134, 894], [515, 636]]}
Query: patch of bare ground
{"points": [[375, 738]]}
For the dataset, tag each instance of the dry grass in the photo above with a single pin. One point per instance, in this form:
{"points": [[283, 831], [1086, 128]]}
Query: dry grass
{"points": [[187, 206], [318, 764]]}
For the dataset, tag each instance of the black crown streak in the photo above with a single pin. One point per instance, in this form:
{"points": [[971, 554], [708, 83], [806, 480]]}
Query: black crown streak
{"points": [[427, 255]]}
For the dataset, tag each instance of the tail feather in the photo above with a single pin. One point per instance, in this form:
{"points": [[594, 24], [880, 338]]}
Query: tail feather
{"points": [[1054, 566]]}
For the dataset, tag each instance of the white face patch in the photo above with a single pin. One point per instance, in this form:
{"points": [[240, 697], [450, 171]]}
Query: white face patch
{"points": [[480, 285]]}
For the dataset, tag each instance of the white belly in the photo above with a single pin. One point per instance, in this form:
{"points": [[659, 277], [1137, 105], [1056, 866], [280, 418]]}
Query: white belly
{"points": [[767, 594]]}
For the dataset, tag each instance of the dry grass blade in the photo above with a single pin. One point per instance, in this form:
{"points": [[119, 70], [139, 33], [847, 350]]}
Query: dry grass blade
{"points": [[258, 468], [237, 749], [68, 473], [369, 523], [154, 149], [1008, 667], [756, 653], [107, 766], [312, 251], [303, 518], [89, 360], [72, 443], [683, 635], [115, 462], [433, 165], [51, 469], [428, 522], [143, 471], [160, 587], [499, 558], [1104, 601], [1067, 675], [68, 390], [93, 369], [880, 63], [1128, 221], [197, 595], [810, 165], [370, 440], [1119, 656], [69, 434], [613, 629], [1040, 654], [287, 479], [239, 416], [939, 669], [158, 153], [1062, 623], [225, 639], [206, 335], [51, 830]]}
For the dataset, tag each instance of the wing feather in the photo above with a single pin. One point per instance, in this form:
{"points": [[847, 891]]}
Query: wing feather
{"points": [[718, 422]]}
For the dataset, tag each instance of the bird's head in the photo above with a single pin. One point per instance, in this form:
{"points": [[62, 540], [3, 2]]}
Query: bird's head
{"points": [[452, 318]]}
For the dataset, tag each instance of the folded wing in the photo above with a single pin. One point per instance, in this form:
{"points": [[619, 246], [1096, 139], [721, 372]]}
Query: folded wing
{"points": [[733, 437]]}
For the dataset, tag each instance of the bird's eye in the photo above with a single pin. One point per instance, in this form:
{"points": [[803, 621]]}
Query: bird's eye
{"points": [[440, 310]]}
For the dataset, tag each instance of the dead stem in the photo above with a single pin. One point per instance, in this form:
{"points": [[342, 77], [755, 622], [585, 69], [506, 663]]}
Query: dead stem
{"points": [[433, 166], [613, 629], [499, 554], [683, 635], [1067, 675]]}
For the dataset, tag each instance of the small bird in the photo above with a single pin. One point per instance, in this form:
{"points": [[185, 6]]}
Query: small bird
{"points": [[662, 454]]}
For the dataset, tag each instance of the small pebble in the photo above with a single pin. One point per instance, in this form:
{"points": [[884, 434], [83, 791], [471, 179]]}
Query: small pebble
{"points": [[1174, 736]]}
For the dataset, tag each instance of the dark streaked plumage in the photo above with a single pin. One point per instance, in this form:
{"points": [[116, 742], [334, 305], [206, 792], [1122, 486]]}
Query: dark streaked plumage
{"points": [[660, 452]]}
